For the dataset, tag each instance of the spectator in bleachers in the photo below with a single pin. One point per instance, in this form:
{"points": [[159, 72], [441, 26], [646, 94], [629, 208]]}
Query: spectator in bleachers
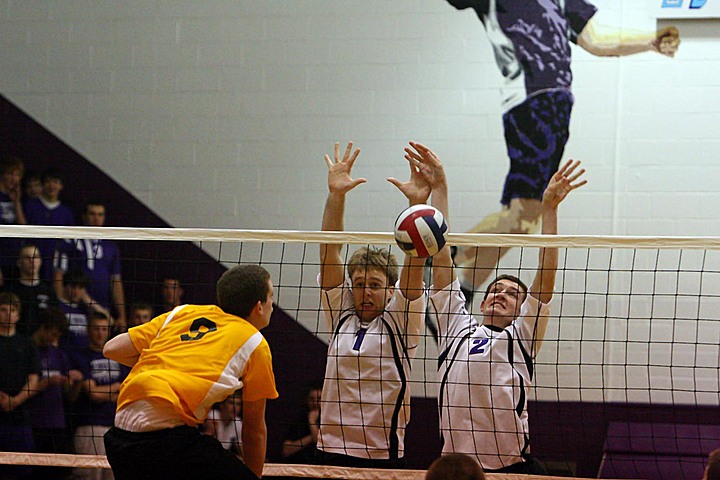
{"points": [[140, 313], [76, 304], [96, 407], [303, 434], [99, 260], [35, 294], [19, 374], [712, 471], [224, 422], [172, 293], [58, 381], [48, 210], [31, 184], [11, 212]]}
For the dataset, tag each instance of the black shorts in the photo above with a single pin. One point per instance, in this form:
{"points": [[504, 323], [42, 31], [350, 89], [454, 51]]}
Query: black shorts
{"points": [[174, 453], [536, 132], [531, 466]]}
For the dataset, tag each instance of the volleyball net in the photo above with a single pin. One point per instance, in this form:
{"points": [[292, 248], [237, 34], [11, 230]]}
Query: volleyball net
{"points": [[626, 382]]}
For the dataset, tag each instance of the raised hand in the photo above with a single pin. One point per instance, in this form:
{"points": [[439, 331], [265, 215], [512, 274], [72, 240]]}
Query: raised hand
{"points": [[416, 189], [339, 179], [427, 163], [563, 182]]}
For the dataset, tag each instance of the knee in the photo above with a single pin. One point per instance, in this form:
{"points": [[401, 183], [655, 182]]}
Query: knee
{"points": [[525, 215]]}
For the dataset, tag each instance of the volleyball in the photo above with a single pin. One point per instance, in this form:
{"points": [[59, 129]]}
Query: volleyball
{"points": [[421, 231]]}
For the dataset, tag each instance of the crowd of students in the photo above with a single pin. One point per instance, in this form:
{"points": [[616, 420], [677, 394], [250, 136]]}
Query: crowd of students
{"points": [[60, 301]]}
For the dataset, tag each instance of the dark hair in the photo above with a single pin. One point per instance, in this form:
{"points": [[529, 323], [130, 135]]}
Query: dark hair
{"points": [[512, 278], [52, 318], [139, 306], [8, 298], [8, 164], [76, 278], [95, 202], [52, 173], [455, 466], [713, 468], [95, 315], [241, 288], [312, 386]]}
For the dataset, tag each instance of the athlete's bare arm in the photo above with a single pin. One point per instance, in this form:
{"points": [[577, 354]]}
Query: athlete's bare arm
{"points": [[254, 435], [417, 191], [332, 269], [431, 168], [565, 180], [122, 350]]}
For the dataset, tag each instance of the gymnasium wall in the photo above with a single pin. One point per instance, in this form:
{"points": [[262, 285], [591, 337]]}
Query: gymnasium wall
{"points": [[218, 113], [234, 104]]}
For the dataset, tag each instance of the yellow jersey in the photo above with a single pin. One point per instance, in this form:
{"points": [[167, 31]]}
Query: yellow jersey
{"points": [[195, 356]]}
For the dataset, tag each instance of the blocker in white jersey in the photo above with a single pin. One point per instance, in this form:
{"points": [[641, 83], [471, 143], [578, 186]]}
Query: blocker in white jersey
{"points": [[374, 317], [485, 368], [366, 395], [484, 374]]}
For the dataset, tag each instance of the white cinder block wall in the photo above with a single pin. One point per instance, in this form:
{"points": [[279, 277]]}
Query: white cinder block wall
{"points": [[217, 113], [235, 102]]}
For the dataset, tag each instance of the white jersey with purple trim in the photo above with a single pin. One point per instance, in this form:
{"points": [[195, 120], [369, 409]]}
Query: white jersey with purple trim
{"points": [[366, 394], [484, 373]]}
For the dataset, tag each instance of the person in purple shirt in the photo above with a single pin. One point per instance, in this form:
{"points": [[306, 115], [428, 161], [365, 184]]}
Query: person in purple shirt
{"points": [[99, 260], [77, 305], [58, 383], [95, 408], [48, 210], [531, 43]]}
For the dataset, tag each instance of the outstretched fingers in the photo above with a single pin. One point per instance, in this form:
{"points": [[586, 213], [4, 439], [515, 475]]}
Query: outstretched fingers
{"points": [[350, 155], [339, 170], [564, 181], [571, 174]]}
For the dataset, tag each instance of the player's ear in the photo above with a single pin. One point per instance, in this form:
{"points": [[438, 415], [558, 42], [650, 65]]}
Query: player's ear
{"points": [[257, 315], [257, 310]]}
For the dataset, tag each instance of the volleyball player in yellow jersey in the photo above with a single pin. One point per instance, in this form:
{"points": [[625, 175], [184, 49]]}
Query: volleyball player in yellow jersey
{"points": [[183, 362]]}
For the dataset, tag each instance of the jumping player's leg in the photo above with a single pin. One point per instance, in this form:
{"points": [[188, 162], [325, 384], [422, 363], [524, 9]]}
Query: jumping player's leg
{"points": [[536, 132], [475, 265]]}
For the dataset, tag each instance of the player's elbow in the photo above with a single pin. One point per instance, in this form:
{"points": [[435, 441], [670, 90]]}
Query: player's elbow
{"points": [[113, 352], [109, 351]]}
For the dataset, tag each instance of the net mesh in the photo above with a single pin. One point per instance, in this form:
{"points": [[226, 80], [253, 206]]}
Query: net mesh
{"points": [[628, 369]]}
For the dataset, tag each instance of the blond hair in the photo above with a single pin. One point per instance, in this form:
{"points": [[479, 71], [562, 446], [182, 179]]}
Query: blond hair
{"points": [[371, 258]]}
